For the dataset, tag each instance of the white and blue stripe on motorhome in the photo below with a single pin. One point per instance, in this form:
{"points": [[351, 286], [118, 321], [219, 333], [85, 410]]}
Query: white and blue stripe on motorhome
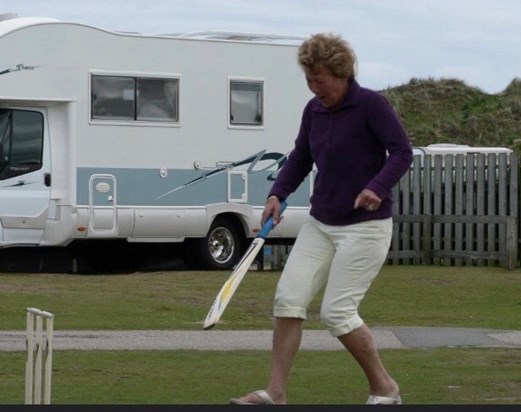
{"points": [[146, 187]]}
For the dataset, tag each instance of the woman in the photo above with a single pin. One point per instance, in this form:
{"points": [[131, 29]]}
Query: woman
{"points": [[361, 151]]}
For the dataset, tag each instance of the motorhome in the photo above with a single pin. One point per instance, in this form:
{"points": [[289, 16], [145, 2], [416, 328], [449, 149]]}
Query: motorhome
{"points": [[164, 139], [454, 149], [441, 150]]}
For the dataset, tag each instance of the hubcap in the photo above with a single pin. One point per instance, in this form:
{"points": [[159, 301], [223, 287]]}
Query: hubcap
{"points": [[221, 245]]}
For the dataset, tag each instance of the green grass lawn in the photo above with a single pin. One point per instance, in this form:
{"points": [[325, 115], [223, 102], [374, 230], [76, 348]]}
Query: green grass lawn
{"points": [[481, 297], [434, 376]]}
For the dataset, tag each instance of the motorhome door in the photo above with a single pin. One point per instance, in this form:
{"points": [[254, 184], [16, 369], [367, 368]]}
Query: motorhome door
{"points": [[25, 175], [102, 205]]}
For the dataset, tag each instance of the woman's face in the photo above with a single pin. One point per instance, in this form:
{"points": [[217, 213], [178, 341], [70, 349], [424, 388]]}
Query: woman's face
{"points": [[329, 89]]}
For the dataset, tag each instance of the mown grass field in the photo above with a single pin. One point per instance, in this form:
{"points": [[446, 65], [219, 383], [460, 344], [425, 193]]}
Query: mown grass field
{"points": [[480, 297], [401, 296]]}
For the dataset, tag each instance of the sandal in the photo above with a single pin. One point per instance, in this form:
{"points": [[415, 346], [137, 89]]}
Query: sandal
{"points": [[383, 400], [262, 394]]}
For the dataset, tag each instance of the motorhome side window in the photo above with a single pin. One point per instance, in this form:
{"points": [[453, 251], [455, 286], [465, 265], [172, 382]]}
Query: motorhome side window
{"points": [[246, 102], [21, 142], [134, 99]]}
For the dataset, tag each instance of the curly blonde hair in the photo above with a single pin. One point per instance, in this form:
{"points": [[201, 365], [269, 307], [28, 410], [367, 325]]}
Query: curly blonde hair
{"points": [[330, 51]]}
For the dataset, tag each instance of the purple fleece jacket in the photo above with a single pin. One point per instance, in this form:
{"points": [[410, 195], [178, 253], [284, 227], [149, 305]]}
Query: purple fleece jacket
{"points": [[361, 144]]}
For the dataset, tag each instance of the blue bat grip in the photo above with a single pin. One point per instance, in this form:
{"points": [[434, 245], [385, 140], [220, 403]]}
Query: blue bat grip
{"points": [[268, 225]]}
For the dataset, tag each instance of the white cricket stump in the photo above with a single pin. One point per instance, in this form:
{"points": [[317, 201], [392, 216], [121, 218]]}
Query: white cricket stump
{"points": [[35, 377]]}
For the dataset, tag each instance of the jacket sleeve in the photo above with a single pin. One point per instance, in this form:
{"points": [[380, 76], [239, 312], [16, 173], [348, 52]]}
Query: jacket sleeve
{"points": [[387, 127]]}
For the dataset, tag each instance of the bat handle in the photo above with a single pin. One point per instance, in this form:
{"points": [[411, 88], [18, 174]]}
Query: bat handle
{"points": [[268, 225]]}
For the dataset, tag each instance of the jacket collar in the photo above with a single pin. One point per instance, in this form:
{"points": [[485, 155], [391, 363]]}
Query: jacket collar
{"points": [[351, 99]]}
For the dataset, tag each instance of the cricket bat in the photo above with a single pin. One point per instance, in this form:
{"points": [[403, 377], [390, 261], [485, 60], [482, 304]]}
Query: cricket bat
{"points": [[231, 284]]}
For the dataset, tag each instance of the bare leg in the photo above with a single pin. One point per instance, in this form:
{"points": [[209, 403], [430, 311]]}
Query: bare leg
{"points": [[360, 344], [287, 335]]}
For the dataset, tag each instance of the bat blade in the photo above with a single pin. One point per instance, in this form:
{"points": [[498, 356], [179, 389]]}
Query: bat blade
{"points": [[231, 284]]}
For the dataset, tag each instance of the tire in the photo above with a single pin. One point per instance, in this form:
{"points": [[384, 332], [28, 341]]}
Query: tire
{"points": [[220, 249]]}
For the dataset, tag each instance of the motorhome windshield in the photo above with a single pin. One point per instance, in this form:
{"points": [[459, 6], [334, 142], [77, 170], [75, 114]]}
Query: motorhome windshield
{"points": [[21, 142]]}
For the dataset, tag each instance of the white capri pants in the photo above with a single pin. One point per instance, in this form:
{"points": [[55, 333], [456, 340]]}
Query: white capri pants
{"points": [[347, 258]]}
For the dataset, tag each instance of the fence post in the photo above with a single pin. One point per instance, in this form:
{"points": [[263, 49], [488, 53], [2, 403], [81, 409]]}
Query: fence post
{"points": [[511, 242], [427, 239]]}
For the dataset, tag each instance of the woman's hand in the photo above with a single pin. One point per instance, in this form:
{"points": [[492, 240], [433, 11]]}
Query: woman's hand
{"points": [[271, 208], [368, 200]]}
